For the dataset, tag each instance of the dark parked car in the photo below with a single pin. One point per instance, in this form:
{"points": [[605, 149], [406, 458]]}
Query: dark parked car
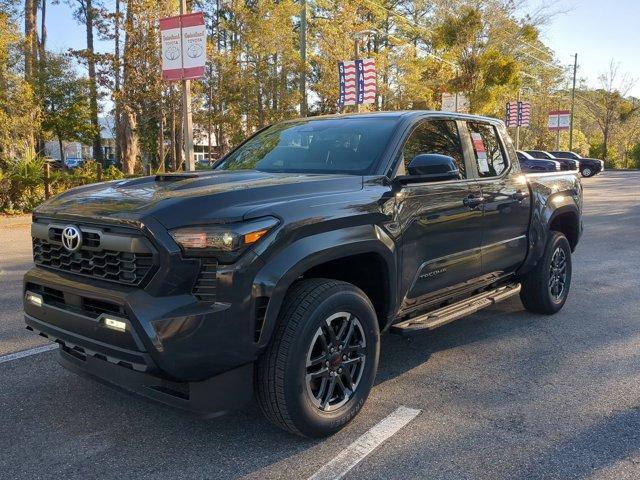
{"points": [[533, 165], [565, 163], [588, 166], [276, 272]]}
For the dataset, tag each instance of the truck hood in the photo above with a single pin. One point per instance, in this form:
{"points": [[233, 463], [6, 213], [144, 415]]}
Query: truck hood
{"points": [[181, 199]]}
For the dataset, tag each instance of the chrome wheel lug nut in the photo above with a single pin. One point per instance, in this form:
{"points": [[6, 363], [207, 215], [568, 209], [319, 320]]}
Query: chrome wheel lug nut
{"points": [[344, 357], [339, 370]]}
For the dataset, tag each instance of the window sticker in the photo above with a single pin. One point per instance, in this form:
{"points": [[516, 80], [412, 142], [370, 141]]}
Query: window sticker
{"points": [[481, 152]]}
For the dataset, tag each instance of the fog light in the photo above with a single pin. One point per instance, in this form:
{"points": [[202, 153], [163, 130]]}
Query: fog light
{"points": [[34, 299], [115, 323]]}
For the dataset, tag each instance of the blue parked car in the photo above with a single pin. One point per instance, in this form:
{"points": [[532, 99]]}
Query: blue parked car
{"points": [[532, 165]]}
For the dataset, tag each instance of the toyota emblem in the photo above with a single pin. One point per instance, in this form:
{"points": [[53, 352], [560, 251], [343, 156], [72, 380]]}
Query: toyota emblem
{"points": [[71, 238]]}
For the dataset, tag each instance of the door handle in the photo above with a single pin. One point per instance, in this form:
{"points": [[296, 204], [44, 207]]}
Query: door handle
{"points": [[519, 195], [472, 201]]}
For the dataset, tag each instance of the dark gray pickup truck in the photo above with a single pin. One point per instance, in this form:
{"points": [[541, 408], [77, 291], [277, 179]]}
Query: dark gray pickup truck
{"points": [[273, 275]]}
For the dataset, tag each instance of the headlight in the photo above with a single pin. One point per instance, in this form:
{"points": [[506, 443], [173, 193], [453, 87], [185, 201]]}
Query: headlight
{"points": [[223, 241]]}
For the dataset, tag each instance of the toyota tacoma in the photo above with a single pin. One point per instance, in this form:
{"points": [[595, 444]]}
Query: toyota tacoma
{"points": [[272, 275]]}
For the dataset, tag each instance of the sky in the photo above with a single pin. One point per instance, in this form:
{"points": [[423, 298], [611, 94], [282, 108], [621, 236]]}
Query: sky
{"points": [[599, 31]]}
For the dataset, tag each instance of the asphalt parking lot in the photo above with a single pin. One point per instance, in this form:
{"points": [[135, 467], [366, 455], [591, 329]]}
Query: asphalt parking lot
{"points": [[503, 394]]}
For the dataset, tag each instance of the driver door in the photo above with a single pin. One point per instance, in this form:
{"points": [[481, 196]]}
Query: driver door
{"points": [[440, 221]]}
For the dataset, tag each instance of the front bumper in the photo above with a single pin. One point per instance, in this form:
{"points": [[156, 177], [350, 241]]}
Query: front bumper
{"points": [[209, 398], [175, 337], [175, 350]]}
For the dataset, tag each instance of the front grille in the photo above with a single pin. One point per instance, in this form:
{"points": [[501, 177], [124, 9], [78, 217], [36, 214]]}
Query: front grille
{"points": [[123, 267], [206, 284]]}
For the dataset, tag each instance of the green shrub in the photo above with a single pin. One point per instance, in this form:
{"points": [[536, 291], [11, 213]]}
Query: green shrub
{"points": [[22, 185], [22, 182]]}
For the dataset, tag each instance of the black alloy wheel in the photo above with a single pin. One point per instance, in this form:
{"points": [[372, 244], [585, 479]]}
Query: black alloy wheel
{"points": [[558, 274], [335, 361]]}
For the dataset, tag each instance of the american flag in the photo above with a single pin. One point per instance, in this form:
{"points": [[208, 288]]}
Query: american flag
{"points": [[357, 81], [348, 84]]}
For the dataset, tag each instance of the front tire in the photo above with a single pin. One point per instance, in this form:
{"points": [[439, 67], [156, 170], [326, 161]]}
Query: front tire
{"points": [[546, 287], [319, 368]]}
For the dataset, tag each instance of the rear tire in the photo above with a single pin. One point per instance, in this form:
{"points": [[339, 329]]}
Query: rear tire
{"points": [[319, 368], [546, 287]]}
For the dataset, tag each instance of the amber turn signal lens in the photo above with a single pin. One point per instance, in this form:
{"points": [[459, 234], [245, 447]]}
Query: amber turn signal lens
{"points": [[253, 237]]}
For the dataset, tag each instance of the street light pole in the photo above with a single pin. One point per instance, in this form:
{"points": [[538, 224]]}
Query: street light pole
{"points": [[356, 51], [186, 113], [573, 101], [518, 121]]}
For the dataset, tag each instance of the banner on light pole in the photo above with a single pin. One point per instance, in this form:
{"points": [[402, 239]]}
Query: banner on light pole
{"points": [[184, 46], [518, 114], [455, 102], [559, 120], [357, 80]]}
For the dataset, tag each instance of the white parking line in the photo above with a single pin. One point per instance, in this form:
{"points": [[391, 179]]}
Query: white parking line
{"points": [[27, 353], [367, 443]]}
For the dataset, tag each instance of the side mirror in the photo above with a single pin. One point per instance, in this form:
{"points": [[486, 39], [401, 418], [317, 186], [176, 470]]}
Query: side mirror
{"points": [[433, 167]]}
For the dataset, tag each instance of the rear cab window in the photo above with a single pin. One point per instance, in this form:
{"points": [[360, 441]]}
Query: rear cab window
{"points": [[488, 152]]}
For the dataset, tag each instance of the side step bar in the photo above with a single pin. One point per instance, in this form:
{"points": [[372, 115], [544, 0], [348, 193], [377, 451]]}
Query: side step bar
{"points": [[444, 315]]}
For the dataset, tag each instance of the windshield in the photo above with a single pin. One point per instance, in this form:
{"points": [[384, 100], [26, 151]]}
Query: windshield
{"points": [[349, 145]]}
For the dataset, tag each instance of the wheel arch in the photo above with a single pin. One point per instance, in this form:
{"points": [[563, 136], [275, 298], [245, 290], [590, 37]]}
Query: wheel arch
{"points": [[330, 255], [567, 221]]}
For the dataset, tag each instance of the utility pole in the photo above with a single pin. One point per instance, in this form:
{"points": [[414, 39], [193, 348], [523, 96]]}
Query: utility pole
{"points": [[303, 56], [558, 127], [573, 101], [187, 123]]}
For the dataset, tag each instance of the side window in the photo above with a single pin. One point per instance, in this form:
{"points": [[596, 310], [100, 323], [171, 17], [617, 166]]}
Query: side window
{"points": [[490, 158], [434, 137]]}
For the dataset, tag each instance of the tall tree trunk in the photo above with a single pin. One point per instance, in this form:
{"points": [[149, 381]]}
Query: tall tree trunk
{"points": [[61, 147], [129, 123], [130, 149], [42, 62], [605, 143], [93, 87], [30, 57], [118, 101], [30, 39]]}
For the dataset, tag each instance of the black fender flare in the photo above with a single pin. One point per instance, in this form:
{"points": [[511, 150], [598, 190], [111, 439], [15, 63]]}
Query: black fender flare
{"points": [[286, 266], [541, 226]]}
